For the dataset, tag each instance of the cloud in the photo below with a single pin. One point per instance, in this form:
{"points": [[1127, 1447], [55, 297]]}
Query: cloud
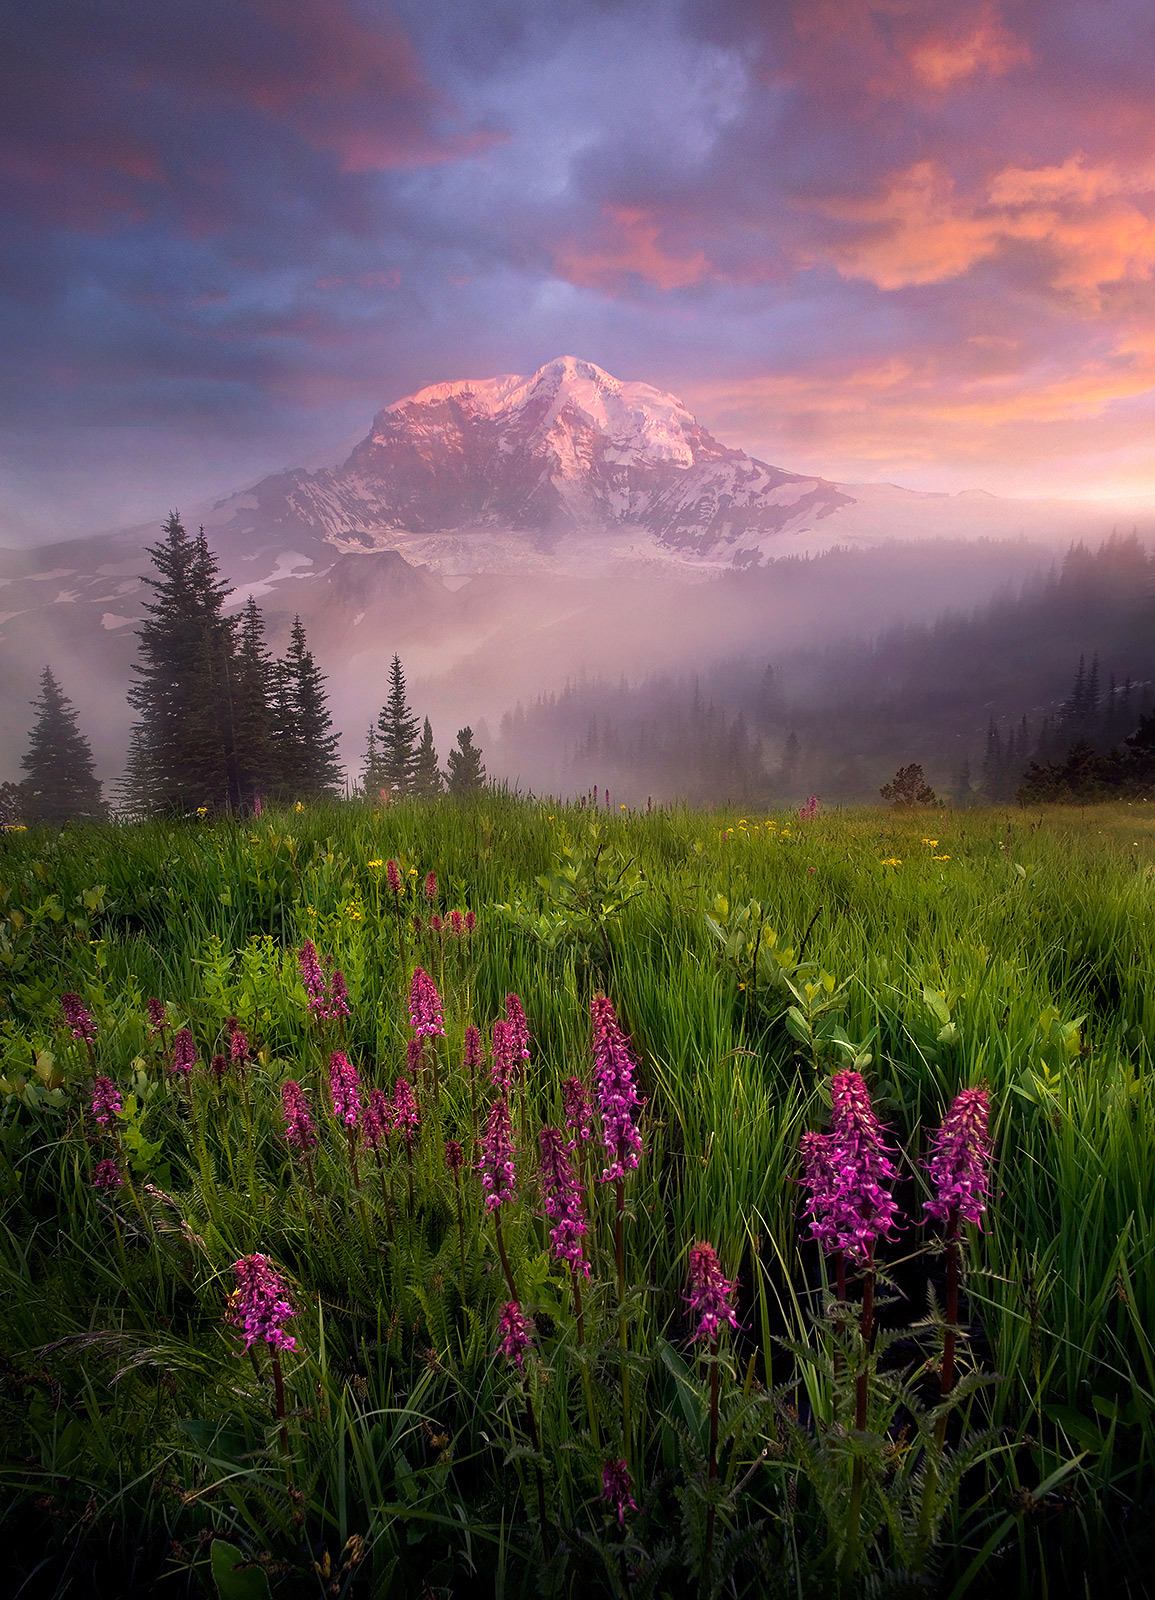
{"points": [[632, 250]]}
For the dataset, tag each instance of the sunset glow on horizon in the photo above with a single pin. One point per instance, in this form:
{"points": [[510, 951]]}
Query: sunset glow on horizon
{"points": [[874, 240]]}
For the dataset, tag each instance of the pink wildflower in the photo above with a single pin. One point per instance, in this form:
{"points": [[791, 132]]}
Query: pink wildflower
{"points": [[345, 1088], [456, 924], [105, 1101], [711, 1295], [78, 1017], [431, 886], [614, 1068], [157, 1019], [617, 1485], [377, 1119], [107, 1175], [219, 1067], [470, 922], [503, 1058], [393, 877], [474, 1053], [435, 922], [563, 1200], [453, 1156], [496, 1163], [578, 1112], [425, 1006], [299, 1133], [260, 1304], [848, 1171], [518, 1026], [184, 1053], [516, 1333], [406, 1116], [311, 975], [337, 1000], [960, 1163], [238, 1044]]}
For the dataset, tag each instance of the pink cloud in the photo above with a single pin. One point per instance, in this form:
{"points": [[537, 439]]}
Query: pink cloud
{"points": [[632, 248]]}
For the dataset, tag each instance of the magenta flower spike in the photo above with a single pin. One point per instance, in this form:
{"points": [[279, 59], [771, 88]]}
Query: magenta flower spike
{"points": [[618, 1099], [345, 1088], [453, 1156], [518, 1026], [78, 1017], [496, 1163], [337, 1002], [377, 1118], [311, 975], [406, 1116], [848, 1172], [503, 1057], [470, 922], [456, 924], [107, 1175], [960, 1162], [431, 886], [474, 1052], [157, 1018], [435, 923], [414, 1056], [260, 1305], [105, 1101], [425, 1007], [299, 1133], [393, 877], [579, 1113], [238, 1044], [184, 1053], [711, 1295], [617, 1487], [516, 1332], [563, 1201], [219, 1067]]}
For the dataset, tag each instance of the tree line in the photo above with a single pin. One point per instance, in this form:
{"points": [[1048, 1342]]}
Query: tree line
{"points": [[223, 724]]}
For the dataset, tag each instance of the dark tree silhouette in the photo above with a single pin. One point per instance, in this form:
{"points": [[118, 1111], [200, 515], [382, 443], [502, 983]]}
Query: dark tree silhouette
{"points": [[397, 735], [308, 765], [427, 779], [61, 785], [908, 787], [464, 768]]}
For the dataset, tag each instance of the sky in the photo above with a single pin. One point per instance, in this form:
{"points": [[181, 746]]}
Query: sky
{"points": [[900, 240]]}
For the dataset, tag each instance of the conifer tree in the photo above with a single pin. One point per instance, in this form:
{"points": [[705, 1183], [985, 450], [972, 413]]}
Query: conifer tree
{"points": [[62, 785], [372, 781], [397, 735], [464, 769], [252, 709], [307, 746], [427, 779], [184, 742]]}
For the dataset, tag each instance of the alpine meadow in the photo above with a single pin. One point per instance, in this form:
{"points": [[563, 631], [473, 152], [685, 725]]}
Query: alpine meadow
{"points": [[577, 800]]}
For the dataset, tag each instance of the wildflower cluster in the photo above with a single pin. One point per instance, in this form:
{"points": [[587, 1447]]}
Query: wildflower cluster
{"points": [[618, 1099], [260, 1305], [848, 1171], [328, 999], [711, 1294], [564, 1200], [496, 1163]]}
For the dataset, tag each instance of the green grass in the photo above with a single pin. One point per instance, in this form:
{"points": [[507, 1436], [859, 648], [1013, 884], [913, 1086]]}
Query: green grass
{"points": [[133, 1433]]}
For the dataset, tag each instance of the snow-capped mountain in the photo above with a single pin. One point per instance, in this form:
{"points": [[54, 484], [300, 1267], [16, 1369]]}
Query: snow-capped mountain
{"points": [[563, 469]]}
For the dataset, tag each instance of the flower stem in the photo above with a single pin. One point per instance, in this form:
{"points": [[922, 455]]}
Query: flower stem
{"points": [[620, 1254], [712, 1471], [502, 1254]]}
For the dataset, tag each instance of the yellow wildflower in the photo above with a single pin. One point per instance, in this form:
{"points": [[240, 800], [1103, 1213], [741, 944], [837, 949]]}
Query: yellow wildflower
{"points": [[931, 842], [374, 863], [892, 861], [940, 858]]}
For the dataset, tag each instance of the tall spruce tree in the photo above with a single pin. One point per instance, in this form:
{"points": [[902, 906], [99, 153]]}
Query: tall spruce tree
{"points": [[397, 735], [61, 785], [308, 765], [464, 768], [252, 689], [372, 781], [184, 742], [427, 779]]}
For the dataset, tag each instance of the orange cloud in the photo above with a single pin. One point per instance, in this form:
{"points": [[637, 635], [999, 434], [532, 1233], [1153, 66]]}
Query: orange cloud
{"points": [[633, 251], [986, 45], [913, 233]]}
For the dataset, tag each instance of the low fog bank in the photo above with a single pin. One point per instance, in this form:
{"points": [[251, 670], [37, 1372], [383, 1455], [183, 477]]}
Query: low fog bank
{"points": [[495, 649]]}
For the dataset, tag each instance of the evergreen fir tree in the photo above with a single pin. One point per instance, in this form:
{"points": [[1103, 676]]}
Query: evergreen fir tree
{"points": [[397, 735], [252, 709], [184, 745], [464, 769], [62, 785], [372, 781], [427, 779], [309, 769]]}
